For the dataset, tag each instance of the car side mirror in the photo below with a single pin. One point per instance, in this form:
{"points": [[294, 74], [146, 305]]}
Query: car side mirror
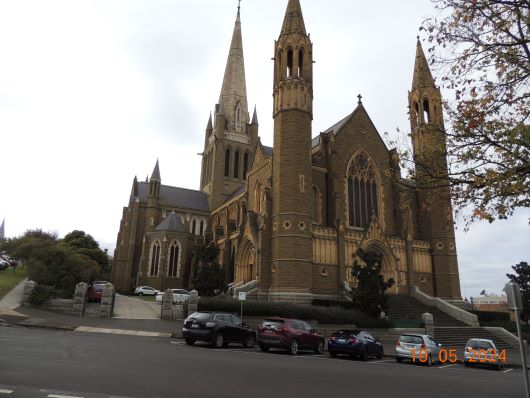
{"points": [[244, 325], [313, 331]]}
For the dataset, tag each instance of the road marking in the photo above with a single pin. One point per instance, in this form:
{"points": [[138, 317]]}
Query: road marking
{"points": [[507, 370], [121, 331], [382, 361], [61, 396], [2, 391], [447, 366]]}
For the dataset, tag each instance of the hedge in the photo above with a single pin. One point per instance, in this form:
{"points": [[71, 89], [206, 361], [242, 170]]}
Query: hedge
{"points": [[331, 314], [490, 316]]}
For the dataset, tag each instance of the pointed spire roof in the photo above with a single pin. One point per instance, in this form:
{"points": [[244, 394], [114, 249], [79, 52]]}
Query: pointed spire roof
{"points": [[234, 87], [171, 223], [2, 229], [255, 116], [293, 21], [156, 172], [209, 126], [422, 73]]}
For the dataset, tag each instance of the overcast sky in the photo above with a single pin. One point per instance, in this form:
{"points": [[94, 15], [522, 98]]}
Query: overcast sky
{"points": [[93, 92]]}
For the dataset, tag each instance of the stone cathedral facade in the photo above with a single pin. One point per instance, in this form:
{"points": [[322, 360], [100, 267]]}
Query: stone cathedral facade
{"points": [[289, 220]]}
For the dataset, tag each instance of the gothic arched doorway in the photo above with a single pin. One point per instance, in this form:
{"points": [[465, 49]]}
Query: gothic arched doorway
{"points": [[377, 251], [246, 262]]}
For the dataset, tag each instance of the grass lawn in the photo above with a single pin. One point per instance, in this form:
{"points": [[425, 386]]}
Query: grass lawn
{"points": [[9, 279]]}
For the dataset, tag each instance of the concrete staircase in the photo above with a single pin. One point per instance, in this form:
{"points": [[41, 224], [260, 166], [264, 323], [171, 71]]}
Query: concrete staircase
{"points": [[406, 308], [447, 330]]}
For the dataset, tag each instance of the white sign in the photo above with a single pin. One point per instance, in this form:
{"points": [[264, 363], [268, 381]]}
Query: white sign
{"points": [[242, 296]]}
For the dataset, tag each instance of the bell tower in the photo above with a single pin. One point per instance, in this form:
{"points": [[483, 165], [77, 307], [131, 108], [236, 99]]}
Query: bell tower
{"points": [[292, 203], [430, 158]]}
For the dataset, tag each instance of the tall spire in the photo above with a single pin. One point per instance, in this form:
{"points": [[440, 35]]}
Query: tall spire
{"points": [[2, 229], [293, 21], [234, 89], [422, 73], [156, 172]]}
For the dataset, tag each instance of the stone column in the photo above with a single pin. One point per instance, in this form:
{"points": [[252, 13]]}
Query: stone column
{"points": [[167, 305], [28, 289], [193, 302], [80, 298], [107, 301], [428, 321]]}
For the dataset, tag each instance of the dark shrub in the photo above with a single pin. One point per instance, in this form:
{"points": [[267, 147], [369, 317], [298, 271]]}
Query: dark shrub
{"points": [[41, 293]]}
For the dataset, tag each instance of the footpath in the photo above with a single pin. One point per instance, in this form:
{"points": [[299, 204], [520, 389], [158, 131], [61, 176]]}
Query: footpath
{"points": [[13, 314]]}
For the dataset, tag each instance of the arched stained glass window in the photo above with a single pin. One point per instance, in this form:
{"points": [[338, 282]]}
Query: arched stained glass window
{"points": [[174, 260], [362, 191], [155, 259]]}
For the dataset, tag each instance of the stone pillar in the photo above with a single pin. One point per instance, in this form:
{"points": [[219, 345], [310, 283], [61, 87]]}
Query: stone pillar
{"points": [[167, 305], [428, 321], [28, 289], [193, 302], [80, 299], [107, 301]]}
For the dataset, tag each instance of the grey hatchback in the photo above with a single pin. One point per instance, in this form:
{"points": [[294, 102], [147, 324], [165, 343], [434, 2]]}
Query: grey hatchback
{"points": [[418, 348]]}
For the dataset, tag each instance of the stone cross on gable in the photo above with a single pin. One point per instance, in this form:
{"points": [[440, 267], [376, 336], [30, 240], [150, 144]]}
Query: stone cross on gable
{"points": [[360, 97]]}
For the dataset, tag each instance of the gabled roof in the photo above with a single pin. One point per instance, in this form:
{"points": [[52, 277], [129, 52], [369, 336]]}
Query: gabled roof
{"points": [[171, 223], [267, 150], [177, 197]]}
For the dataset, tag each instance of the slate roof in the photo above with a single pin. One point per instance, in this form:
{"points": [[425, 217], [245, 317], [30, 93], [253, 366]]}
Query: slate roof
{"points": [[171, 223], [176, 197], [267, 150]]}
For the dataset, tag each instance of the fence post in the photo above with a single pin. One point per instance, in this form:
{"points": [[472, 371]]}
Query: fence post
{"points": [[428, 321], [167, 305], [193, 302], [107, 299], [28, 289], [80, 299]]}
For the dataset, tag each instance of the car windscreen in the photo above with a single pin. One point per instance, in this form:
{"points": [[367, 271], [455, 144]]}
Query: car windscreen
{"points": [[201, 316], [479, 345], [269, 323], [411, 339]]}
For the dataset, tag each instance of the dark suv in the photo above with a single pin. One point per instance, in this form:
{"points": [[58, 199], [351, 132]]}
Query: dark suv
{"points": [[218, 329], [290, 334]]}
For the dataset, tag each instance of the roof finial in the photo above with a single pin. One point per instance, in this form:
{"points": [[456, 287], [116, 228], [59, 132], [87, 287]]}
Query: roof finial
{"points": [[360, 97], [238, 6]]}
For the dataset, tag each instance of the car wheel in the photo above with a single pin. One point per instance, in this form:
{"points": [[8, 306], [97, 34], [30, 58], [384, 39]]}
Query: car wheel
{"points": [[499, 366], [189, 341], [363, 356], [319, 349], [429, 361], [218, 340], [263, 348], [333, 353], [398, 359], [293, 347], [380, 355], [141, 294], [249, 341]]}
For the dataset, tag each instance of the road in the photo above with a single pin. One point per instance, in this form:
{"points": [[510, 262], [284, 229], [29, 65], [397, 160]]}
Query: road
{"points": [[50, 363]]}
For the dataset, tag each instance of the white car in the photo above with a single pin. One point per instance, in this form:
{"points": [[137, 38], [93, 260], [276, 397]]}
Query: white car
{"points": [[483, 352], [179, 296], [146, 291]]}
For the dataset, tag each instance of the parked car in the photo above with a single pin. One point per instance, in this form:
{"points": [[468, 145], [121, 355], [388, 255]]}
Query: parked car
{"points": [[355, 343], [146, 291], [482, 352], [290, 334], [217, 329], [95, 291], [179, 296], [410, 346]]}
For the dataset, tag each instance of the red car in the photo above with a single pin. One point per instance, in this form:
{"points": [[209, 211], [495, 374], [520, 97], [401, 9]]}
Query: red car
{"points": [[95, 292], [290, 334]]}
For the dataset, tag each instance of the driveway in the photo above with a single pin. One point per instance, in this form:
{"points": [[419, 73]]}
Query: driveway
{"points": [[126, 307]]}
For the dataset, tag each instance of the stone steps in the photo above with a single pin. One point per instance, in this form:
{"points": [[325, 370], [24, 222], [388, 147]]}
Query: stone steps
{"points": [[404, 307], [458, 336]]}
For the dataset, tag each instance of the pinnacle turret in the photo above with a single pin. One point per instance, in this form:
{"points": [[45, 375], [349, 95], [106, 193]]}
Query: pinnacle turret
{"points": [[156, 172], [293, 21]]}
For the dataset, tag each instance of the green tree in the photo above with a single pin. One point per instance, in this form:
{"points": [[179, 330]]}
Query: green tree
{"points": [[85, 244], [369, 295], [209, 277], [54, 265], [481, 51], [522, 277]]}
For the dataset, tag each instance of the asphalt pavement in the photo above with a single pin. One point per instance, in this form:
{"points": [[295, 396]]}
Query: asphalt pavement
{"points": [[47, 363]]}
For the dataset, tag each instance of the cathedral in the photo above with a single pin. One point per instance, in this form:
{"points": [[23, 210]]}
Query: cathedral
{"points": [[289, 220]]}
